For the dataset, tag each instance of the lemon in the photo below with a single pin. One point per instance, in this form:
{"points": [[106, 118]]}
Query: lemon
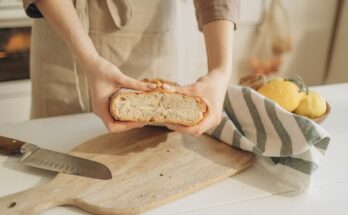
{"points": [[286, 93], [312, 106]]}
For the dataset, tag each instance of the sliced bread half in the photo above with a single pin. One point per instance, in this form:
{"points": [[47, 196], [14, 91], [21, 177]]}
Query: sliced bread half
{"points": [[157, 106]]}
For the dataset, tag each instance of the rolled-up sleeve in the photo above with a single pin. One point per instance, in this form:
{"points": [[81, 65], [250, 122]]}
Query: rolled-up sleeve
{"points": [[31, 9], [210, 10]]}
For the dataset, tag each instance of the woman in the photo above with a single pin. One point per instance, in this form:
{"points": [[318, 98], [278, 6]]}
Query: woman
{"points": [[83, 51]]}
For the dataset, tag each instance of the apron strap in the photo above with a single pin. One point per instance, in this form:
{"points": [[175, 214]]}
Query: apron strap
{"points": [[83, 14], [121, 12]]}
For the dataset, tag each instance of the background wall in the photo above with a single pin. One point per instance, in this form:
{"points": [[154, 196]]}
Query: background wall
{"points": [[311, 24], [338, 71]]}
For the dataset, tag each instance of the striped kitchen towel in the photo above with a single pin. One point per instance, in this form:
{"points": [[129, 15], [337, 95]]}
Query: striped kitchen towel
{"points": [[287, 145]]}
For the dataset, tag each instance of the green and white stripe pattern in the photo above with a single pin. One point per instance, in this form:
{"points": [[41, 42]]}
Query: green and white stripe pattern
{"points": [[287, 145]]}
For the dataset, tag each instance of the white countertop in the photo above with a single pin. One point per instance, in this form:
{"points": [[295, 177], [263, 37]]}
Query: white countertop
{"points": [[251, 192]]}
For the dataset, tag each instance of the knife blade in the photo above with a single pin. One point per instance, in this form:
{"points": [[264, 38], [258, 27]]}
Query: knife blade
{"points": [[35, 156]]}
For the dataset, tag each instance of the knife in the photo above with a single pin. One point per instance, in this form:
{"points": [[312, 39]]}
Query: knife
{"points": [[35, 156]]}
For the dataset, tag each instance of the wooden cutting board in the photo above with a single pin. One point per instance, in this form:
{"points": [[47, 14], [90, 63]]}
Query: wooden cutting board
{"points": [[150, 167]]}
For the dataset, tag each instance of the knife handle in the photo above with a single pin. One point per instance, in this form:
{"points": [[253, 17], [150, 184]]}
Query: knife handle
{"points": [[9, 146]]}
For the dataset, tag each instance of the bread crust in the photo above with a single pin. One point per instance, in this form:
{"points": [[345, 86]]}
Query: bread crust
{"points": [[122, 92]]}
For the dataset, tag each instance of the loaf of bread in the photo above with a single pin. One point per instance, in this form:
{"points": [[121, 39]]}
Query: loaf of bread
{"points": [[157, 106]]}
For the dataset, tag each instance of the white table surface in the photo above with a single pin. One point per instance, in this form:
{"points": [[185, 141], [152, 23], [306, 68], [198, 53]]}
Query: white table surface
{"points": [[251, 192]]}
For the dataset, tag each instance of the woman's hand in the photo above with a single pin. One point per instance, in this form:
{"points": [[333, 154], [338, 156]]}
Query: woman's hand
{"points": [[211, 88], [104, 79]]}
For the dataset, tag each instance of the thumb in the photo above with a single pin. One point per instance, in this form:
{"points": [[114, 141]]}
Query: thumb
{"points": [[131, 83], [188, 89]]}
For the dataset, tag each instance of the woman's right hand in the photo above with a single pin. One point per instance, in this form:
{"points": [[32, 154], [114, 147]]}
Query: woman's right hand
{"points": [[104, 79]]}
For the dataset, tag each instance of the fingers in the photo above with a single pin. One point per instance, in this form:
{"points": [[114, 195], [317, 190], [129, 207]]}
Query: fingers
{"points": [[207, 123], [168, 87], [119, 126], [131, 83], [195, 89], [188, 89], [111, 124], [193, 130]]}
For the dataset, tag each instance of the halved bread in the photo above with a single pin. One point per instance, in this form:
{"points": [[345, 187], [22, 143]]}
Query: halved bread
{"points": [[157, 106]]}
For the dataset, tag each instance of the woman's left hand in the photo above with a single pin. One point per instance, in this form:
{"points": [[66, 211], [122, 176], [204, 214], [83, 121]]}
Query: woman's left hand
{"points": [[212, 89]]}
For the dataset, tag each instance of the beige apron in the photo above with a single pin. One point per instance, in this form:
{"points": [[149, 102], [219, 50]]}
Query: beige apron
{"points": [[137, 36]]}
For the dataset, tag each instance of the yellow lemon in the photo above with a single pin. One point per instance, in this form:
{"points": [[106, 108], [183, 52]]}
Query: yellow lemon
{"points": [[283, 92], [312, 106]]}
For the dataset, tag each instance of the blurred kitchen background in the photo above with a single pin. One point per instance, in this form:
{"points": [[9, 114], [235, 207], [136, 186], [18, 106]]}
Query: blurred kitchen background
{"points": [[318, 40]]}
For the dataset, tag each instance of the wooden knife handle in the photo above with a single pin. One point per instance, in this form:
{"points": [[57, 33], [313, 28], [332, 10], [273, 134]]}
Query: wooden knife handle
{"points": [[9, 146]]}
